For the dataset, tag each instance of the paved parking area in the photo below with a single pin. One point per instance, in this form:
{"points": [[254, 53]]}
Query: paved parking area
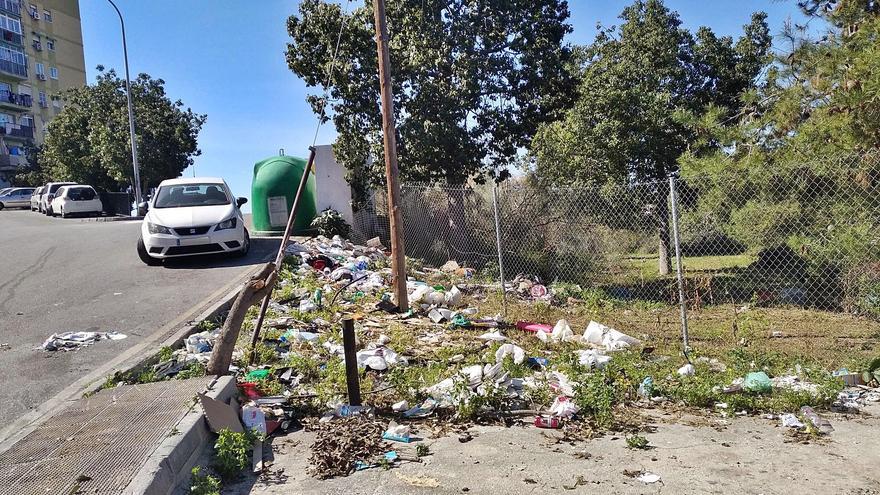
{"points": [[67, 274]]}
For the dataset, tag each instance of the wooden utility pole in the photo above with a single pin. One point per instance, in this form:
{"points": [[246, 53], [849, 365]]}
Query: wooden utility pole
{"points": [[398, 257]]}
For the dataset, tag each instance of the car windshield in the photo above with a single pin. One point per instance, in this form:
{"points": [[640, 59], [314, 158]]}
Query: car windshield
{"points": [[81, 193], [182, 195], [4, 191]]}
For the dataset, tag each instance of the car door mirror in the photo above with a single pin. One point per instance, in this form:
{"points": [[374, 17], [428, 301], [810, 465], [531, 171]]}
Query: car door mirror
{"points": [[240, 201]]}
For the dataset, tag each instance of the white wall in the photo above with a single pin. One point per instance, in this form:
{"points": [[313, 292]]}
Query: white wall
{"points": [[333, 191]]}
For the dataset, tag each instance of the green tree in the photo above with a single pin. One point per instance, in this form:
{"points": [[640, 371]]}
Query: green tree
{"points": [[638, 85], [88, 141], [472, 80], [799, 169]]}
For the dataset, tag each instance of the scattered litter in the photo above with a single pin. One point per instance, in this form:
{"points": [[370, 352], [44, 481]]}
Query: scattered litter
{"points": [[519, 355], [563, 407], [253, 418], [400, 406], [220, 415], [547, 421], [599, 334], [757, 382], [646, 388], [422, 411], [687, 370], [69, 341], [496, 336], [648, 478], [791, 421], [593, 358], [397, 433]]}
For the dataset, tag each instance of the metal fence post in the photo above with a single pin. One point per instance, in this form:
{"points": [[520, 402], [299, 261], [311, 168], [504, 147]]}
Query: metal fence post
{"points": [[498, 247], [673, 199]]}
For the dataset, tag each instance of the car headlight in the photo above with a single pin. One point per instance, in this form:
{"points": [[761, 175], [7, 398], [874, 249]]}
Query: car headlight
{"points": [[227, 224], [157, 229]]}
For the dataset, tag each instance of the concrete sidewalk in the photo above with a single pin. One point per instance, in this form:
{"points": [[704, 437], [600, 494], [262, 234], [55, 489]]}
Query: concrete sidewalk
{"points": [[692, 454], [100, 444]]}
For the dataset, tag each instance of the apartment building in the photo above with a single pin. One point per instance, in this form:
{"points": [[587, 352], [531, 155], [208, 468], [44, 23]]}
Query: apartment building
{"points": [[41, 54]]}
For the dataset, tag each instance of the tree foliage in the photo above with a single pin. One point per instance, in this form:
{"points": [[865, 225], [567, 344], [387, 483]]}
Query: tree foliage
{"points": [[800, 170], [88, 141], [472, 80], [637, 83]]}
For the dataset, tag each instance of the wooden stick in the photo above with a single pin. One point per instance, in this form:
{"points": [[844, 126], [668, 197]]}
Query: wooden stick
{"points": [[398, 257], [351, 368], [255, 288]]}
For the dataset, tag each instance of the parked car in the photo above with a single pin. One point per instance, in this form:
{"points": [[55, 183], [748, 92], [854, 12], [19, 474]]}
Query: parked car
{"points": [[74, 200], [49, 195], [16, 197], [192, 216], [35, 198]]}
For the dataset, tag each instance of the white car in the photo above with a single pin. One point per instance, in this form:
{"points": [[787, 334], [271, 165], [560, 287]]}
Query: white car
{"points": [[76, 200], [192, 216], [49, 194], [35, 198]]}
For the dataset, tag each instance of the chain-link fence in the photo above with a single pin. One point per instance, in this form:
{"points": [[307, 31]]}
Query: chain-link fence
{"points": [[803, 233]]}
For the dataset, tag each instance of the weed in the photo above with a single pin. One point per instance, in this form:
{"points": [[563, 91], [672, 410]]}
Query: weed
{"points": [[232, 453], [422, 450], [637, 442], [307, 367], [192, 370], [263, 354], [206, 326], [203, 484], [165, 353]]}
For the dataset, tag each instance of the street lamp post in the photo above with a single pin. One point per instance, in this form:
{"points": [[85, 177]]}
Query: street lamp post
{"points": [[134, 153]]}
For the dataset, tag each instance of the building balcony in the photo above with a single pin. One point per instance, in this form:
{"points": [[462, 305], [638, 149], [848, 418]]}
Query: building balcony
{"points": [[10, 37], [12, 100], [11, 7], [11, 162], [16, 131], [13, 68]]}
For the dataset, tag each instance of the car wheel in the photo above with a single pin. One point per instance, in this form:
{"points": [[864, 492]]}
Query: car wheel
{"points": [[245, 247], [1, 206], [144, 256]]}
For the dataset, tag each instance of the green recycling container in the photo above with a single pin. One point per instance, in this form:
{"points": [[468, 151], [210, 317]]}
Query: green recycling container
{"points": [[273, 190]]}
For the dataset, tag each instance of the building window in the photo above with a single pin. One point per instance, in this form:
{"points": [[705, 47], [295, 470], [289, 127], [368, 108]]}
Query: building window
{"points": [[40, 69], [10, 24], [38, 45], [42, 99], [53, 72], [56, 102], [50, 44], [47, 15], [32, 10], [12, 55], [27, 120]]}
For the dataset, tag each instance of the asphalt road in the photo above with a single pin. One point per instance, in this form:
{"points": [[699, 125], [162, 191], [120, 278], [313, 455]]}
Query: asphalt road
{"points": [[67, 274]]}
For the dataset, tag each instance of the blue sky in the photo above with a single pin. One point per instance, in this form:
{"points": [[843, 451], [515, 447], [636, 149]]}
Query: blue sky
{"points": [[225, 58]]}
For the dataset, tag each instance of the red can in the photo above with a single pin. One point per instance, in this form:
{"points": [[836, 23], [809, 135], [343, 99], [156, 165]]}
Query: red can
{"points": [[547, 421]]}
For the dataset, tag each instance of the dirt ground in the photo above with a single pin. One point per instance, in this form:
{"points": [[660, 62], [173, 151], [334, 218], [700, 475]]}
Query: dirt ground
{"points": [[691, 454]]}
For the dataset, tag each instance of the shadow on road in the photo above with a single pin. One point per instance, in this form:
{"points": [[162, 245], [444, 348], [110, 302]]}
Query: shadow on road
{"points": [[260, 250]]}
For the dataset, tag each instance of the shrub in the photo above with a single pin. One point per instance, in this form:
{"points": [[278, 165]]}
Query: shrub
{"points": [[330, 223]]}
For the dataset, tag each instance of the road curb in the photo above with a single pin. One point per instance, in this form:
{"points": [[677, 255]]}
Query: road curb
{"points": [[111, 219], [170, 465]]}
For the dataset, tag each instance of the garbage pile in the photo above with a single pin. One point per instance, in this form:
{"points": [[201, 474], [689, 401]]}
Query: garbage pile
{"points": [[441, 357]]}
